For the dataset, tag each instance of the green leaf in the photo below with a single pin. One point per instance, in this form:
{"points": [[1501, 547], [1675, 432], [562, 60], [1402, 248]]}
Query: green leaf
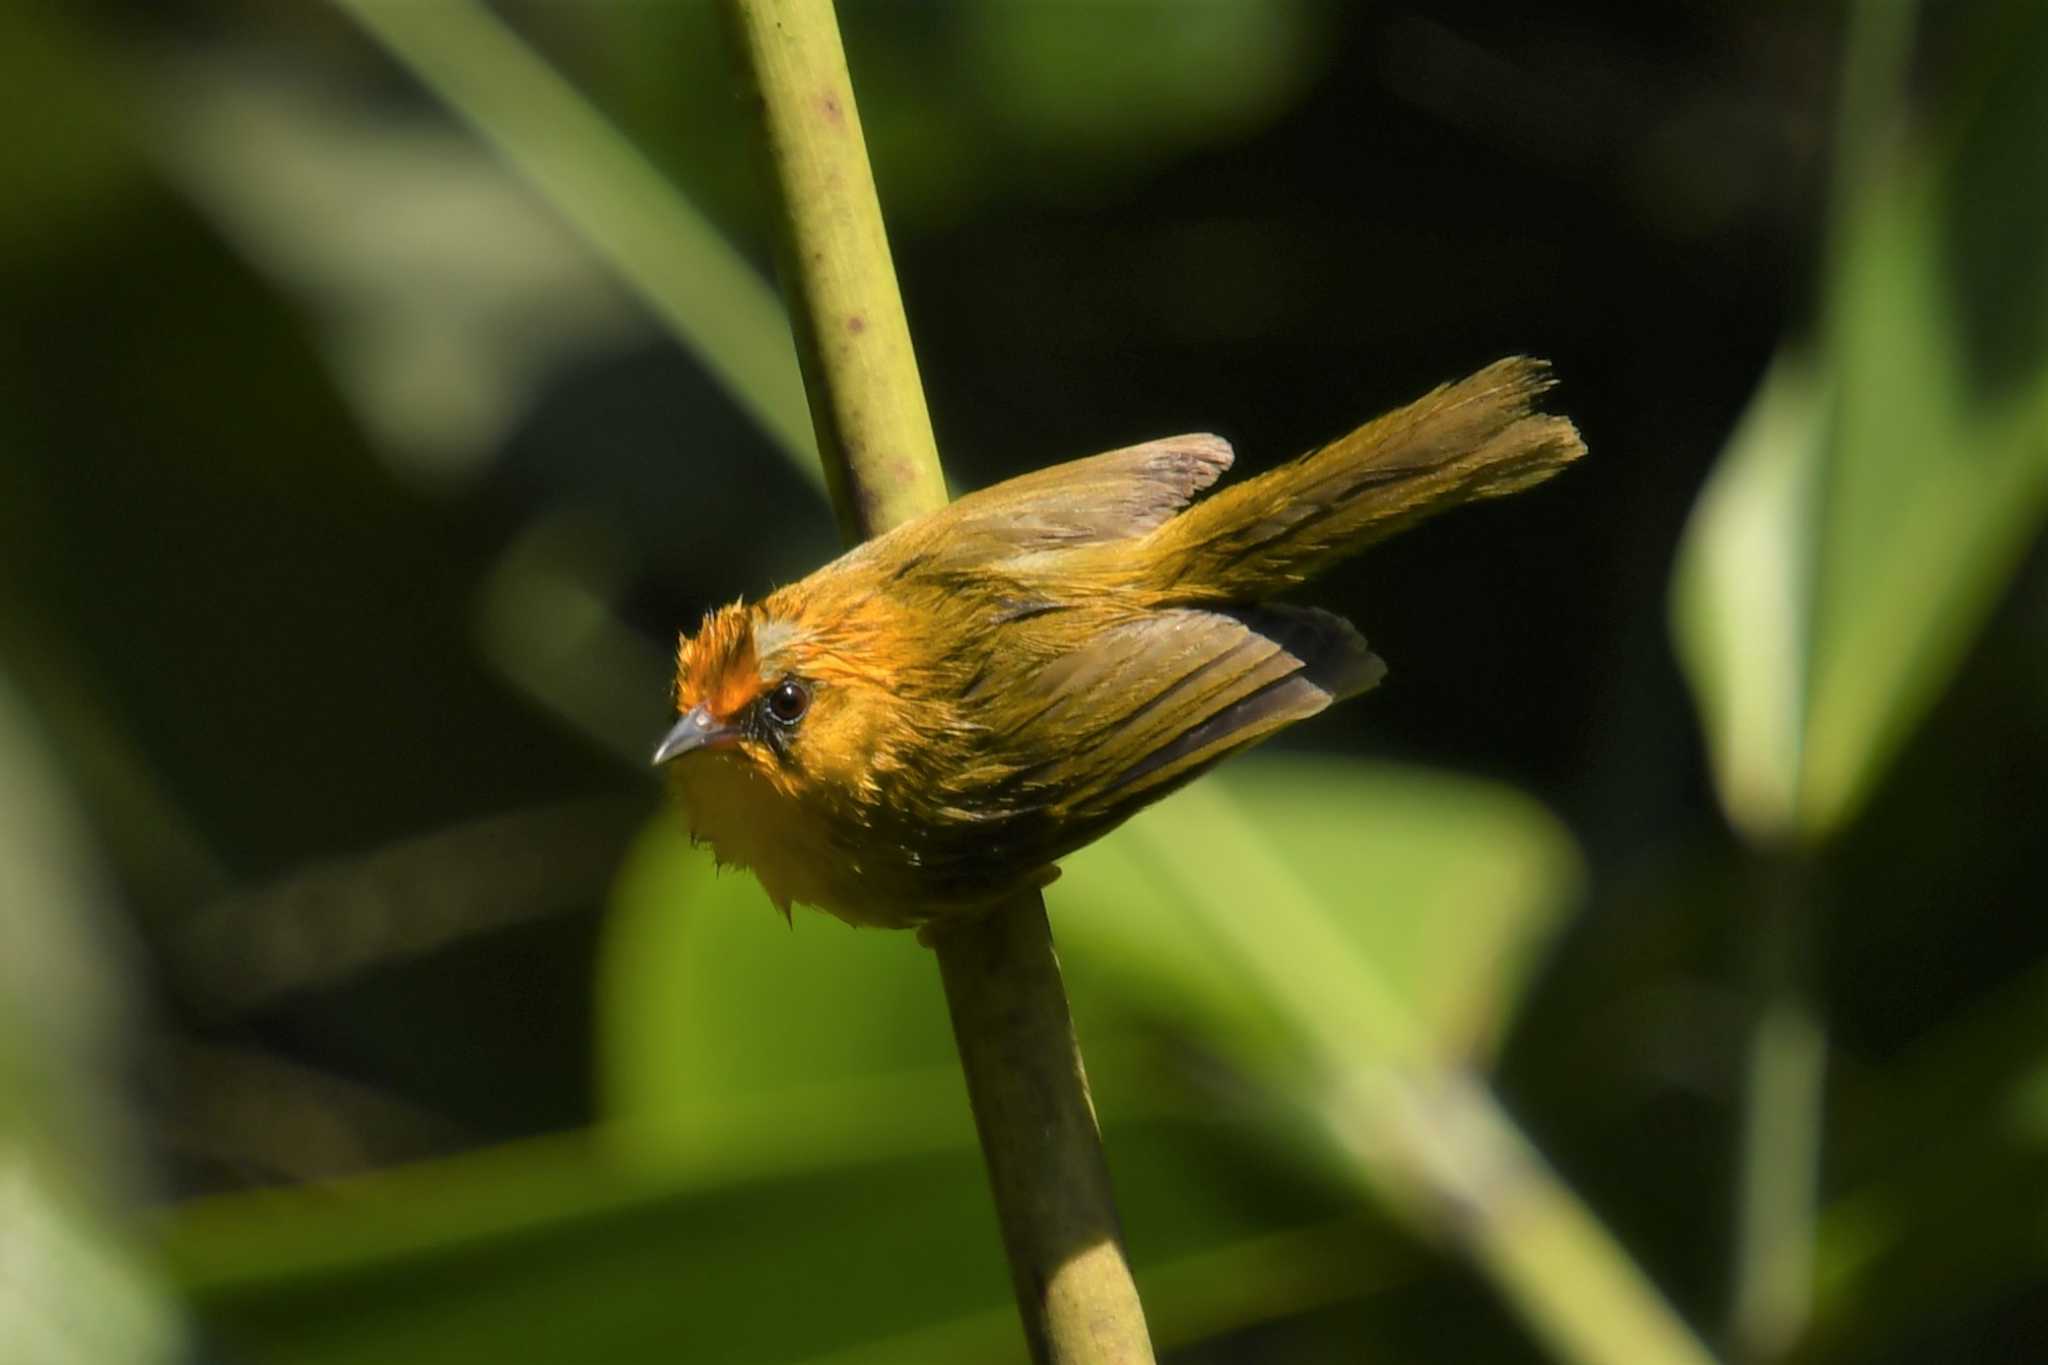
{"points": [[736, 1044], [788, 1165], [788, 1169], [1742, 598], [1408, 901], [1354, 938], [735, 1047], [1430, 894], [557, 1252], [1881, 490]]}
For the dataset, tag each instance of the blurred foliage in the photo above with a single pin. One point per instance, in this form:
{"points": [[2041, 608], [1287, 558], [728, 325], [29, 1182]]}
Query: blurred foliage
{"points": [[1869, 512], [355, 484], [737, 1142], [1885, 482]]}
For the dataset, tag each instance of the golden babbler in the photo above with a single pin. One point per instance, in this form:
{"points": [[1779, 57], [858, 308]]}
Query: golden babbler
{"points": [[936, 717]]}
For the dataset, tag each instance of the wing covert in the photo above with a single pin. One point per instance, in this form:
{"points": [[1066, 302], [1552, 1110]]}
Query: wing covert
{"points": [[1111, 496]]}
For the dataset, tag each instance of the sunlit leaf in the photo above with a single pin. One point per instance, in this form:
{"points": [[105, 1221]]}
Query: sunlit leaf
{"points": [[1358, 936], [1434, 890], [737, 1040], [1742, 598]]}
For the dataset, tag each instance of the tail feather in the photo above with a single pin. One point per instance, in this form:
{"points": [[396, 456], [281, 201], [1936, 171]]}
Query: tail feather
{"points": [[1478, 438]]}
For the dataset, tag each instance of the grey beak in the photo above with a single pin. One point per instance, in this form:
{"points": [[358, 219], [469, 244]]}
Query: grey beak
{"points": [[697, 729]]}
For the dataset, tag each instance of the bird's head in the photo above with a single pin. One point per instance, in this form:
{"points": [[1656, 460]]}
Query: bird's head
{"points": [[794, 695], [743, 687], [801, 722]]}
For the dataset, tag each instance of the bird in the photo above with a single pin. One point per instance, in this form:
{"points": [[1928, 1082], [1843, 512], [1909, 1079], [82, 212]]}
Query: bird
{"points": [[921, 729]]}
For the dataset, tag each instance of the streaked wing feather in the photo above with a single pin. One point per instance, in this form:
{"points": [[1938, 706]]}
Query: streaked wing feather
{"points": [[1104, 497], [1305, 659], [1154, 699]]}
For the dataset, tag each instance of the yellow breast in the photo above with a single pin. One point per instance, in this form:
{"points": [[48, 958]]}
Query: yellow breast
{"points": [[750, 823]]}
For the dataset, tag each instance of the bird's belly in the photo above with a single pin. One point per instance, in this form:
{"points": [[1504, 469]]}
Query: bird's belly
{"points": [[791, 850]]}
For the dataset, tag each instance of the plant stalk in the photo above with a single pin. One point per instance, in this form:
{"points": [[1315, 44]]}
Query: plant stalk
{"points": [[1039, 1137], [1003, 988], [1778, 1191]]}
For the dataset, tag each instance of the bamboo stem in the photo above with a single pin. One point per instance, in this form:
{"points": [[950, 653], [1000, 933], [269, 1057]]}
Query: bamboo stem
{"points": [[852, 339], [1038, 1135], [1002, 978]]}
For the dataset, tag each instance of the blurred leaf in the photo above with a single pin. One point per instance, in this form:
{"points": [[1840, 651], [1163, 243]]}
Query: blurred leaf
{"points": [[713, 300], [1412, 896], [1137, 77], [734, 1046], [442, 313], [72, 1291], [553, 1252], [1877, 496], [576, 1250], [1348, 938], [1872, 506], [67, 162], [550, 1252], [1742, 598], [731, 1039], [1383, 922], [784, 1110], [1466, 879]]}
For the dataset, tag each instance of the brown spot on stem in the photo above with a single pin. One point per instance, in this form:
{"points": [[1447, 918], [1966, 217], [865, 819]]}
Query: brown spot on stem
{"points": [[828, 104], [856, 324]]}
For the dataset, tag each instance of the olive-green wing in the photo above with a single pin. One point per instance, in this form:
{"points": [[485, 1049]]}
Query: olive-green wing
{"points": [[1122, 493], [1152, 700], [1064, 741]]}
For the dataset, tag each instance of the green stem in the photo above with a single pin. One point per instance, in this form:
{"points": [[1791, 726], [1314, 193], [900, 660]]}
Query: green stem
{"points": [[1772, 1299], [852, 339], [1038, 1135], [1002, 979]]}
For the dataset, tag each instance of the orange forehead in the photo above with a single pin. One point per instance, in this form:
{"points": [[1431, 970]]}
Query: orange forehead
{"points": [[718, 666]]}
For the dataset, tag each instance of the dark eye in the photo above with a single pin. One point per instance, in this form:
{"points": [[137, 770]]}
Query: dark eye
{"points": [[788, 702]]}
